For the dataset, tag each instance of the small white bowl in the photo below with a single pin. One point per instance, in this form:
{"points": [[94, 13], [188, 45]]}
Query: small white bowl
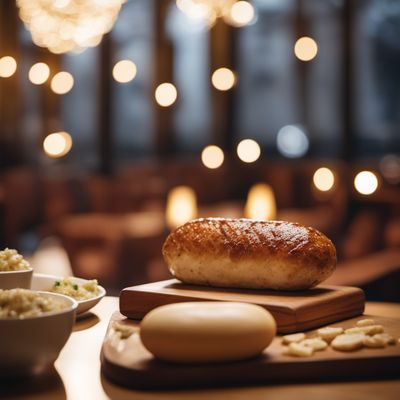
{"points": [[30, 345], [16, 279], [45, 282]]}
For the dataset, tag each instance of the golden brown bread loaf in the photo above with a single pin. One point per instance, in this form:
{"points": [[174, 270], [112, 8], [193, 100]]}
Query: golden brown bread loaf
{"points": [[249, 254]]}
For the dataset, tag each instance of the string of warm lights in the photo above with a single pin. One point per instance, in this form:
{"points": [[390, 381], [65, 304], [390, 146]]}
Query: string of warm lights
{"points": [[72, 25], [291, 139]]}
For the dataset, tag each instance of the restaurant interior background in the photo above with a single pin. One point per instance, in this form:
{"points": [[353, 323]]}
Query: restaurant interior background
{"points": [[121, 120]]}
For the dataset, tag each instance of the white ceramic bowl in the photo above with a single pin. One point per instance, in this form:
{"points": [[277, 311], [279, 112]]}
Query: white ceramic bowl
{"points": [[16, 279], [45, 282], [30, 345]]}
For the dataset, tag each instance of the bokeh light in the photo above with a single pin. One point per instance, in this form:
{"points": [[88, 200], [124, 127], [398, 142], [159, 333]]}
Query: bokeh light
{"points": [[305, 48], [124, 71], [181, 206], [292, 141], [212, 157], [323, 179], [223, 79], [366, 182], [39, 73], [241, 14], [57, 144], [8, 66], [261, 203], [166, 94], [248, 150], [62, 82]]}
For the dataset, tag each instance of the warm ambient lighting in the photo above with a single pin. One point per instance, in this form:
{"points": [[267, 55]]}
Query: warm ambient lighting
{"points": [[39, 73], [248, 150], [212, 157], [323, 179], [57, 144], [241, 14], [124, 71], [292, 141], [62, 82], [166, 94], [366, 182], [223, 79], [181, 206], [8, 66], [305, 48], [260, 202]]}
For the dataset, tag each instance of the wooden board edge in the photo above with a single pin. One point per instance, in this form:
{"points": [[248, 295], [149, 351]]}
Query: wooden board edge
{"points": [[147, 304], [247, 374], [353, 306]]}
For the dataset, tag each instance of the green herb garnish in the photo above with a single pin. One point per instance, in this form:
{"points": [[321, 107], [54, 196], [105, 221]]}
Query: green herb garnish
{"points": [[57, 283], [75, 286]]}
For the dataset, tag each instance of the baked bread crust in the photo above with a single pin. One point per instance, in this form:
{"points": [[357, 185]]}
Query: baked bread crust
{"points": [[249, 254]]}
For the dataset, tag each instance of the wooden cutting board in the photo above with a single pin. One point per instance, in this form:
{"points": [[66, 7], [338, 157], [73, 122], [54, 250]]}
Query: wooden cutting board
{"points": [[128, 363], [293, 311]]}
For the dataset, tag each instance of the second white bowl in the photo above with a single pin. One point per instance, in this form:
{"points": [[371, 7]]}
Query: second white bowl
{"points": [[16, 279]]}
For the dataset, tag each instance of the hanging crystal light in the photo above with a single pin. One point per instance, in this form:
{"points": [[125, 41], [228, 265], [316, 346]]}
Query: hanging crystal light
{"points": [[68, 25]]}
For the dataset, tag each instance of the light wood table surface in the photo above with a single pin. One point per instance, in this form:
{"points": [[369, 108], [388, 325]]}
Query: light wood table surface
{"points": [[77, 373]]}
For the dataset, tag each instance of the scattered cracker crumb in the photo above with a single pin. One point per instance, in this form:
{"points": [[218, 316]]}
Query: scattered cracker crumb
{"points": [[389, 339], [348, 342], [374, 342], [299, 350], [316, 343], [365, 322], [123, 330], [329, 333], [294, 338], [366, 330]]}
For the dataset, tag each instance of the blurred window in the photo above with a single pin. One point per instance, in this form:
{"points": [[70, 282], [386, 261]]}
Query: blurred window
{"points": [[272, 91], [192, 113], [268, 91], [133, 39], [376, 74], [79, 107]]}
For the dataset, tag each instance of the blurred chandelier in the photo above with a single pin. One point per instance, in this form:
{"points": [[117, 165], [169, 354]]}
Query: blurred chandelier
{"points": [[68, 25], [209, 10]]}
